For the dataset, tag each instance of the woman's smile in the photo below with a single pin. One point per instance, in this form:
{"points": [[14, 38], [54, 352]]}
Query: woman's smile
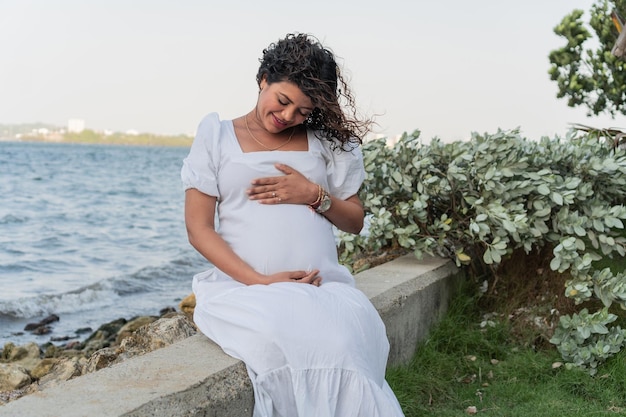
{"points": [[278, 122]]}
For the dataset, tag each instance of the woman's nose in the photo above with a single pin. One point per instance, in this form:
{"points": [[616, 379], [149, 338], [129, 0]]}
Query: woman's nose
{"points": [[287, 114]]}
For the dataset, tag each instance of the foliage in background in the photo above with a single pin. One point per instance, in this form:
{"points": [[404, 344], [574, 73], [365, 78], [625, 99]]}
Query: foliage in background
{"points": [[477, 202], [90, 136], [614, 138], [590, 76]]}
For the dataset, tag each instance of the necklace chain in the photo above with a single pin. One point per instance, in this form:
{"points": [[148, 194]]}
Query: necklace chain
{"points": [[293, 130]]}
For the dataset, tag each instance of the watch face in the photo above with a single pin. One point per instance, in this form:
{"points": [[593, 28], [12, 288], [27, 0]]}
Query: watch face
{"points": [[324, 205]]}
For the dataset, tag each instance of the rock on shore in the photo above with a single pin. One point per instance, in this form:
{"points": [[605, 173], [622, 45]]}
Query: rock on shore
{"points": [[29, 368]]}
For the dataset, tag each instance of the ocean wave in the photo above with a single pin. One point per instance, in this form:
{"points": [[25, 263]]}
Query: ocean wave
{"points": [[107, 292], [88, 298], [161, 278], [11, 218]]}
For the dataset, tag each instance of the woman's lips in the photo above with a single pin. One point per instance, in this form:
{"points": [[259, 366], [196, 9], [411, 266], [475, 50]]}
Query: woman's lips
{"points": [[279, 123]]}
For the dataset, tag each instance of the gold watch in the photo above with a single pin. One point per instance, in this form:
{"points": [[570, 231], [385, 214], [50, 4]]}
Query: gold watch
{"points": [[324, 203]]}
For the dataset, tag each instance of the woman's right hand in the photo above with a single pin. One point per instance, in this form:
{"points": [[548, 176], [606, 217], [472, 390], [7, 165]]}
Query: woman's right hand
{"points": [[300, 277]]}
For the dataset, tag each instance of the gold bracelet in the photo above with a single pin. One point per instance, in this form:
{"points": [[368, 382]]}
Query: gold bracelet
{"points": [[319, 197]]}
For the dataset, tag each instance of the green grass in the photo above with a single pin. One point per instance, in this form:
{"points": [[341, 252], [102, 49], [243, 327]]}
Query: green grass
{"points": [[462, 364], [618, 264]]}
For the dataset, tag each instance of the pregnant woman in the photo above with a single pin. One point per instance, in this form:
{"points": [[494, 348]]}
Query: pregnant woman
{"points": [[279, 177]]}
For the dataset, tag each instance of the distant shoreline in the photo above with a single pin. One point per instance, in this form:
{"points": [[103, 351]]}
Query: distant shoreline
{"points": [[141, 140]]}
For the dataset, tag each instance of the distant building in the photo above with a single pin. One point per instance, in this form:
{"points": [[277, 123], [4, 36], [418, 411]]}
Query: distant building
{"points": [[75, 125]]}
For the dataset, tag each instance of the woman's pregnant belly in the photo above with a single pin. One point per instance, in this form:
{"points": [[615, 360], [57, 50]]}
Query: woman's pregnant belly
{"points": [[280, 237]]}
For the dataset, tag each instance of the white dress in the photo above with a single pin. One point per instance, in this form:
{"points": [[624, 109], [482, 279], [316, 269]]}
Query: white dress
{"points": [[310, 351]]}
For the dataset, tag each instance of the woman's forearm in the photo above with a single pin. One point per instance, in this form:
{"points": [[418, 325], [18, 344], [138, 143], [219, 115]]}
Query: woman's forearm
{"points": [[347, 215], [199, 220]]}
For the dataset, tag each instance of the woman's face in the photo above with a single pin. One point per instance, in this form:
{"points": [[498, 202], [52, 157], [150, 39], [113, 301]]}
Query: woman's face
{"points": [[282, 105]]}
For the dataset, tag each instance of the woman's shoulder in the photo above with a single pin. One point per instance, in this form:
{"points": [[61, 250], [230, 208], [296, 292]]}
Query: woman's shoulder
{"points": [[212, 119], [211, 126], [344, 166], [335, 149]]}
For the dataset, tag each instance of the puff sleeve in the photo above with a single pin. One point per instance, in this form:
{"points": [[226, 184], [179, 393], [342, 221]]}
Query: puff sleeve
{"points": [[200, 167], [344, 169]]}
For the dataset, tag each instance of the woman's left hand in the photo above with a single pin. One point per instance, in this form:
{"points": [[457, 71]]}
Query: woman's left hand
{"points": [[291, 188]]}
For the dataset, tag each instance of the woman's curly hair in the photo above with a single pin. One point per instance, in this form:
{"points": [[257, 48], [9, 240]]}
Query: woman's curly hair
{"points": [[301, 59]]}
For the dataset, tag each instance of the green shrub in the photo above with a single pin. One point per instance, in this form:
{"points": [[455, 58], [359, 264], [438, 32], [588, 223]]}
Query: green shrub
{"points": [[476, 202]]}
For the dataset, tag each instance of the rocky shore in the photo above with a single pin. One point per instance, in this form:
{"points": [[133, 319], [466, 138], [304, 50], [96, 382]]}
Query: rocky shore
{"points": [[30, 368]]}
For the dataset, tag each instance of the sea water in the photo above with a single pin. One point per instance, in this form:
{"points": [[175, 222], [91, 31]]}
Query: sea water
{"points": [[91, 233]]}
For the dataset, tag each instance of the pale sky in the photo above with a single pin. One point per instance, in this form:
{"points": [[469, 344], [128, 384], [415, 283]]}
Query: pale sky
{"points": [[445, 67]]}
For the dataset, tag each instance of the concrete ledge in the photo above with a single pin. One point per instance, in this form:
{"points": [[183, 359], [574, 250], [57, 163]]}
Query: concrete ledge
{"points": [[411, 295], [195, 378]]}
